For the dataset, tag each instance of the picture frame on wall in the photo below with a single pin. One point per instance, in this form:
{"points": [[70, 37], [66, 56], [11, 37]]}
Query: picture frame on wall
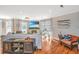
{"points": [[63, 24]]}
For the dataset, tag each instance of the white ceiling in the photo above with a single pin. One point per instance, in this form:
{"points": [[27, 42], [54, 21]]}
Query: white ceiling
{"points": [[36, 11]]}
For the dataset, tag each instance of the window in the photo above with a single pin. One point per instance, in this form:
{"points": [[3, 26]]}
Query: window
{"points": [[0, 27], [33, 27], [23, 26], [9, 26]]}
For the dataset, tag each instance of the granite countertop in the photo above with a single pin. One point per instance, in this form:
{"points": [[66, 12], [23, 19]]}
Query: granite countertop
{"points": [[18, 41]]}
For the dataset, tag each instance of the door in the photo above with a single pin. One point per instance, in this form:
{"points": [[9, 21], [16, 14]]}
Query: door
{"points": [[46, 29]]}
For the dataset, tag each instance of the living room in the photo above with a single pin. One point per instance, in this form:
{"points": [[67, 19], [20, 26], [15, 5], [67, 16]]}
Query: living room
{"points": [[35, 29]]}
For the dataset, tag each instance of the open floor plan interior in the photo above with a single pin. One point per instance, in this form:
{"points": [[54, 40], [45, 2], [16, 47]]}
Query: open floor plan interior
{"points": [[39, 29]]}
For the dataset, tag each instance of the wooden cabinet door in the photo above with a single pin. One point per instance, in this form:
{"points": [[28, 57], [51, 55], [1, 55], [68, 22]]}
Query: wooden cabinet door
{"points": [[28, 47]]}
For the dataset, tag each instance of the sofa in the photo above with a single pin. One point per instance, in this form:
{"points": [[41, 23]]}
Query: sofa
{"points": [[70, 42]]}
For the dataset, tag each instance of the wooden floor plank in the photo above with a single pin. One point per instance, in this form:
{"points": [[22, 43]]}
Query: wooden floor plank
{"points": [[55, 48]]}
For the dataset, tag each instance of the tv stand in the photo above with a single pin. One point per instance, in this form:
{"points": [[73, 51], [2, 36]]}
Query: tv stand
{"points": [[18, 47]]}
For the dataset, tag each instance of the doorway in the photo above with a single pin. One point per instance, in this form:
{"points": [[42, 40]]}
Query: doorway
{"points": [[46, 29]]}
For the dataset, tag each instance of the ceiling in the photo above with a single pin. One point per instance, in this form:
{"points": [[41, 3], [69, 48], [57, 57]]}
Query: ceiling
{"points": [[36, 11]]}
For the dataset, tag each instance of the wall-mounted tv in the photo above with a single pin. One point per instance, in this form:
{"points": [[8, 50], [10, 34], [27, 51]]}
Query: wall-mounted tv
{"points": [[34, 25]]}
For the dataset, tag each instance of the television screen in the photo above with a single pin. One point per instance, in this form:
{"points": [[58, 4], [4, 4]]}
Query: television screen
{"points": [[33, 24]]}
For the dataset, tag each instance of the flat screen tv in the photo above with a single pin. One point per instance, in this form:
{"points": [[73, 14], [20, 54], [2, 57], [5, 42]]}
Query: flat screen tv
{"points": [[34, 25]]}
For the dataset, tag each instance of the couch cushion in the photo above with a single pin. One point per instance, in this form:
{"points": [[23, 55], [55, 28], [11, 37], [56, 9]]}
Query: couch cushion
{"points": [[66, 42], [74, 38]]}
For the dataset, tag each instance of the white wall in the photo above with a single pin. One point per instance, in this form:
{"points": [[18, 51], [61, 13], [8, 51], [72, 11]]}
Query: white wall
{"points": [[74, 24]]}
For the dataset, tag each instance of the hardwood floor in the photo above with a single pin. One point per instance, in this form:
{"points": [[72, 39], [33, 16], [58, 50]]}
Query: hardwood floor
{"points": [[55, 48]]}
